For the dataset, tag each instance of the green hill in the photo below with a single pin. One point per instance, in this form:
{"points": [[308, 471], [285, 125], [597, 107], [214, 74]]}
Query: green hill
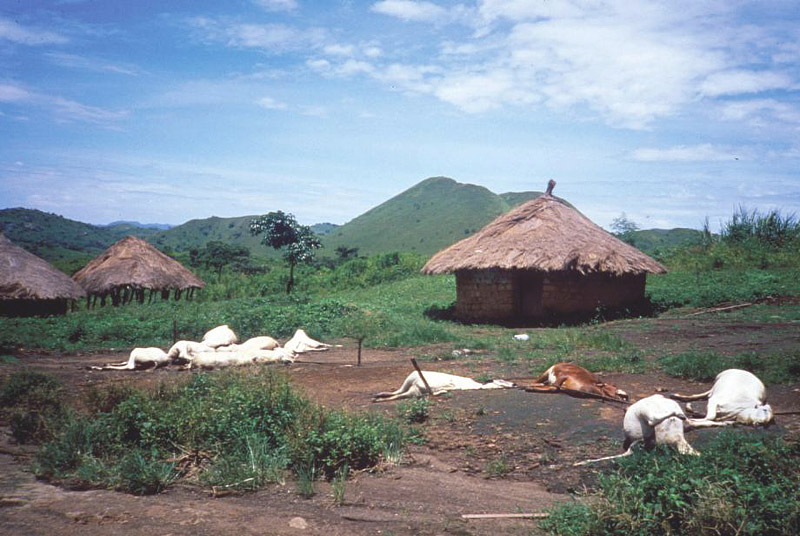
{"points": [[66, 243], [425, 218], [654, 240]]}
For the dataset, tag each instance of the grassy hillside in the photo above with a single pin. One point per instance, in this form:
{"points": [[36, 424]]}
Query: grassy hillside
{"points": [[424, 219], [196, 233], [66, 243]]}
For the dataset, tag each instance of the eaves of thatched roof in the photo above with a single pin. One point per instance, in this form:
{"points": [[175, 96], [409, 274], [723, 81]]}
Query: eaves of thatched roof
{"points": [[543, 235], [24, 276], [134, 263]]}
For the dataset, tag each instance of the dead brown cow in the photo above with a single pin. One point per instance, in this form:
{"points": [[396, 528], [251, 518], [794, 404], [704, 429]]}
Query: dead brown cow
{"points": [[576, 381]]}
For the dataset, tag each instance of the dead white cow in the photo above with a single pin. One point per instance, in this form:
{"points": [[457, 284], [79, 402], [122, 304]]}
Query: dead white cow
{"points": [[276, 355], [140, 358], [255, 343], [301, 343], [655, 420], [186, 349], [214, 360], [439, 383], [737, 396], [220, 336]]}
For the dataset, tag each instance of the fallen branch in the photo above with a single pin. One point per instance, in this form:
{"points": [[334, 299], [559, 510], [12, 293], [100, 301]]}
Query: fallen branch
{"points": [[534, 515], [726, 308]]}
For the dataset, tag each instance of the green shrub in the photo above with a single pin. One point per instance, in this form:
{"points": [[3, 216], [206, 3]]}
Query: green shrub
{"points": [[33, 401], [250, 424], [742, 483], [415, 411]]}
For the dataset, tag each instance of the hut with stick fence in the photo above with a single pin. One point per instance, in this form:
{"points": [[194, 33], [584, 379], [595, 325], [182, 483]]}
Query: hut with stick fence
{"points": [[542, 259], [132, 268], [31, 286]]}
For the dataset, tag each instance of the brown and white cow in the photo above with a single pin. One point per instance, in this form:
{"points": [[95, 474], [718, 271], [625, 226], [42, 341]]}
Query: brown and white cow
{"points": [[577, 381]]}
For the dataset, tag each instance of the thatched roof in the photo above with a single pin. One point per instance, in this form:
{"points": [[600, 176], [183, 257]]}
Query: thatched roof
{"points": [[545, 235], [134, 263], [24, 276]]}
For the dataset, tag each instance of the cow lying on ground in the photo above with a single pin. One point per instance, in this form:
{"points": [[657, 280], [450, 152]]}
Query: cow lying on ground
{"points": [[577, 381], [439, 383], [220, 336], [235, 358], [184, 350], [140, 358], [655, 420], [301, 343], [737, 396]]}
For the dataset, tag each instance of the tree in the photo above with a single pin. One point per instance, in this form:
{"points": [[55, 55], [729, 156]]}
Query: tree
{"points": [[624, 228], [360, 324], [218, 255], [282, 232]]}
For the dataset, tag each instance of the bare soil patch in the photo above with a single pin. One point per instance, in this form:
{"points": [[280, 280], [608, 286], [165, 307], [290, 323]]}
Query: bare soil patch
{"points": [[486, 451]]}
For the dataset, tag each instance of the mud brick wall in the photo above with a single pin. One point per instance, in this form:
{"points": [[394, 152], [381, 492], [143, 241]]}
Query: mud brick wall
{"points": [[572, 293], [484, 294]]}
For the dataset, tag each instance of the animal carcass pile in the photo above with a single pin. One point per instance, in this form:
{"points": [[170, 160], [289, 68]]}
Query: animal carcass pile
{"points": [[219, 348]]}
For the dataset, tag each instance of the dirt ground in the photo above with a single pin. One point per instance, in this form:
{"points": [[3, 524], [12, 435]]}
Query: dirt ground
{"points": [[495, 451]]}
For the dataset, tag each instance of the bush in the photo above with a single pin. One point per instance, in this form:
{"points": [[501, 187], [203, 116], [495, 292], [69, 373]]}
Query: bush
{"points": [[415, 411], [743, 483], [33, 401], [245, 429]]}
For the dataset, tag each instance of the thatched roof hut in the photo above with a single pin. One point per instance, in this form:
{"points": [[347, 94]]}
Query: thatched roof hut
{"points": [[542, 257], [128, 268], [30, 285]]}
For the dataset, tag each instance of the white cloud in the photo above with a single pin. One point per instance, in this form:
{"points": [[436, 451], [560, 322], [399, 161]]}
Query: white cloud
{"points": [[410, 10], [11, 31], [757, 110], [339, 50], [90, 64], [63, 109], [738, 81], [373, 51], [275, 38], [684, 153], [277, 5], [271, 104]]}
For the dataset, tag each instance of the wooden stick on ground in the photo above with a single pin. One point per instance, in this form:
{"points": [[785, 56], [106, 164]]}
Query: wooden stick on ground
{"points": [[541, 515], [728, 308], [419, 371]]}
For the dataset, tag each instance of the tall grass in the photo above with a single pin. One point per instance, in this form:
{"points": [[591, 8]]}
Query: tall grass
{"points": [[778, 367]]}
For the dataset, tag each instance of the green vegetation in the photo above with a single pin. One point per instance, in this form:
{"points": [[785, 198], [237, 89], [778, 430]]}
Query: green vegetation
{"points": [[779, 367], [414, 411], [743, 484], [240, 430], [33, 403]]}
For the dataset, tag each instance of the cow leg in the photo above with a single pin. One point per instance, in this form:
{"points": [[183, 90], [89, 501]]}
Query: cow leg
{"points": [[541, 388]]}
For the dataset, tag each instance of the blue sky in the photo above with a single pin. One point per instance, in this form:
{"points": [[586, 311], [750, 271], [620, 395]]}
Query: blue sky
{"points": [[166, 111]]}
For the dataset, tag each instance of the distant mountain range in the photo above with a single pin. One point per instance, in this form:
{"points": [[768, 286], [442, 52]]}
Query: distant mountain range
{"points": [[425, 218]]}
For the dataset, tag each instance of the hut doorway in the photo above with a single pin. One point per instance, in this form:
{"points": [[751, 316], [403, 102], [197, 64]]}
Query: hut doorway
{"points": [[528, 294]]}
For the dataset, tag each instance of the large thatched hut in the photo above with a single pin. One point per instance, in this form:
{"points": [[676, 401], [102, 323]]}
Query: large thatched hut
{"points": [[32, 286], [542, 259], [130, 267]]}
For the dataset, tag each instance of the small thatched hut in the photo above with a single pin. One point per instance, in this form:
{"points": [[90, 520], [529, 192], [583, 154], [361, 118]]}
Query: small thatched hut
{"points": [[542, 259], [32, 286], [127, 269]]}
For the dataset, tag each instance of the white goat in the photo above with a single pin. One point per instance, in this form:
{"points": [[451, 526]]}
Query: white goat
{"points": [[186, 349], [439, 383], [737, 396], [655, 420], [140, 358], [301, 342], [220, 336]]}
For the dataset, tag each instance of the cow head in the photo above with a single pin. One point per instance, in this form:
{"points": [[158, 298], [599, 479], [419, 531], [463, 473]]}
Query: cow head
{"points": [[611, 391]]}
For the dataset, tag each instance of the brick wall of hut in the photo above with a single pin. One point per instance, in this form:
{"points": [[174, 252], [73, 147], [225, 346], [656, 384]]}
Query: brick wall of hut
{"points": [[564, 292], [485, 295]]}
